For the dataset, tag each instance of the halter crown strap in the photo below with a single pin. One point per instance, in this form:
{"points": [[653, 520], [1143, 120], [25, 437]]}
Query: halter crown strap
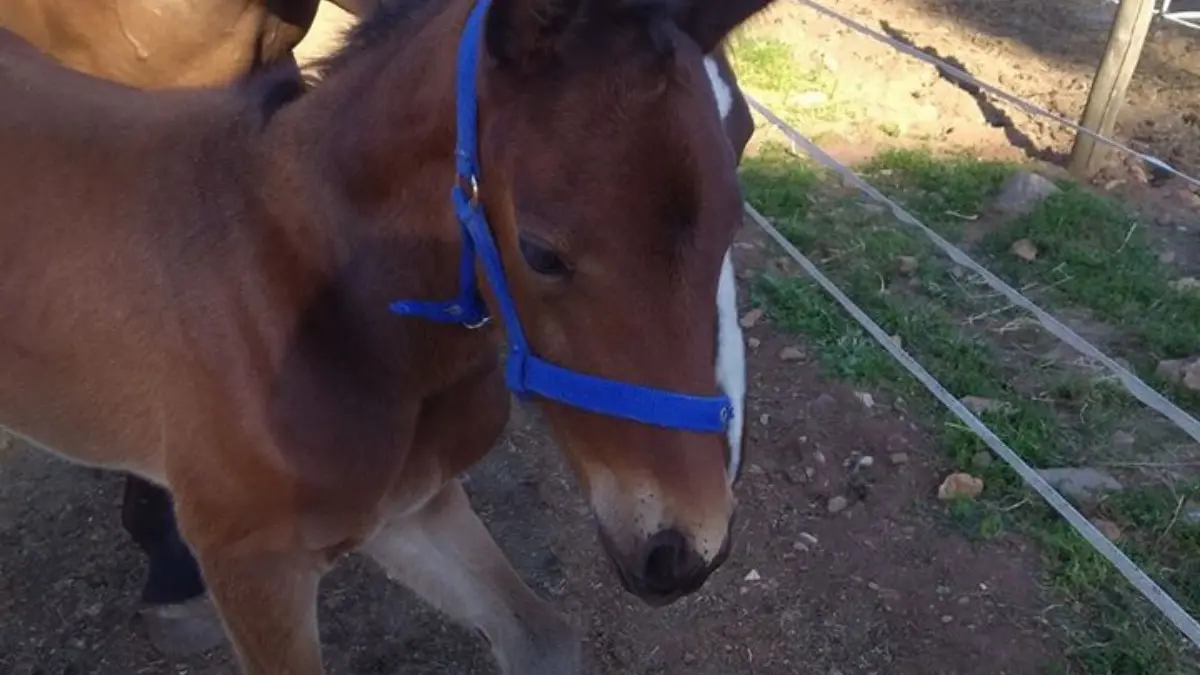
{"points": [[527, 374]]}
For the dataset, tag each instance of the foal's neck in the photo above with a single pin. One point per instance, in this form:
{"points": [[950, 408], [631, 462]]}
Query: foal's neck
{"points": [[372, 148]]}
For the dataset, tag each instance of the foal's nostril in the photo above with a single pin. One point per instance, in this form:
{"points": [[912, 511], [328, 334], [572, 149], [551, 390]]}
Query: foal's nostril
{"points": [[669, 562]]}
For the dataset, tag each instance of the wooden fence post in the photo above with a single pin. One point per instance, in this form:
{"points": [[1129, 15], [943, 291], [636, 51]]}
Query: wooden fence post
{"points": [[1125, 41]]}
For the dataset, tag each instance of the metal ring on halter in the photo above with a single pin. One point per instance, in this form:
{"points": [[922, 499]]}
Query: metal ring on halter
{"points": [[478, 324], [473, 193]]}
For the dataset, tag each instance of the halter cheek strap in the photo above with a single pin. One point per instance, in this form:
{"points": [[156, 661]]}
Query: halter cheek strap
{"points": [[526, 373]]}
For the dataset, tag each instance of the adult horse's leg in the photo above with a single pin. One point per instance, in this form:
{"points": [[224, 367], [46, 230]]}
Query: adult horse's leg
{"points": [[178, 618], [445, 554]]}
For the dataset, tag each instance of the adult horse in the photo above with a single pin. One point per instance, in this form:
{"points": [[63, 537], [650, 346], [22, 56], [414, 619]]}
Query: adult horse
{"points": [[172, 43], [155, 45], [220, 260]]}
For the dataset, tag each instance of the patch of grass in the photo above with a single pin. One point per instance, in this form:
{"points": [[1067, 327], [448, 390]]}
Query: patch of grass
{"points": [[1097, 256], [772, 70], [1111, 629], [942, 191]]}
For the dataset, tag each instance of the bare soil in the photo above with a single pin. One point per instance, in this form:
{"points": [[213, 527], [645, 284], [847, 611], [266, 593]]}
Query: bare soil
{"points": [[1045, 53]]}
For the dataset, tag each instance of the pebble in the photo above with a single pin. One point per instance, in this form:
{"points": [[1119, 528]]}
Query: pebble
{"points": [[866, 462], [1025, 250], [791, 354], [753, 343], [898, 458], [837, 504], [751, 318], [960, 486]]}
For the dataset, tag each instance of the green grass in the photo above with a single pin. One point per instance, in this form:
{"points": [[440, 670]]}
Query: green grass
{"points": [[1109, 629], [1092, 258]]}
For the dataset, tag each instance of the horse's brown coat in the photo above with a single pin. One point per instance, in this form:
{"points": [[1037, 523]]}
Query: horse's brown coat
{"points": [[194, 288], [166, 43]]}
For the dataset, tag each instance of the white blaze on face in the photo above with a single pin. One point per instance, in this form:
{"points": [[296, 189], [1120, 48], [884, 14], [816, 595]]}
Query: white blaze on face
{"points": [[731, 349], [731, 361]]}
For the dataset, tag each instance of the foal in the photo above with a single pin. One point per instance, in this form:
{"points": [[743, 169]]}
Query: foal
{"points": [[150, 44], [195, 286]]}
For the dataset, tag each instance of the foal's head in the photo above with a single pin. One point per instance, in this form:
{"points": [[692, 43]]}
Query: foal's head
{"points": [[611, 191]]}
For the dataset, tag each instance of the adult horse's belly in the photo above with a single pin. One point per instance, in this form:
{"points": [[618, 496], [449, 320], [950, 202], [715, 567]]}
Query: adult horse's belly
{"points": [[162, 43]]}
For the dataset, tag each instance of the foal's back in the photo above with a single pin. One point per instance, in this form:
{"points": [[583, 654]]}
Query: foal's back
{"points": [[100, 212]]}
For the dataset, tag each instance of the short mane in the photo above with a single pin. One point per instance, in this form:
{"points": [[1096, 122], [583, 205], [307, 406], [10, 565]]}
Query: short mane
{"points": [[389, 20]]}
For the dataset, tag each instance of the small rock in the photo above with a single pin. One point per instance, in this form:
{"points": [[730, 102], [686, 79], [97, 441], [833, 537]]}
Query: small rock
{"points": [[753, 343], [907, 264], [1025, 250], [810, 99], [1123, 439], [791, 354], [1082, 483], [1191, 513], [809, 472], [1191, 376], [794, 475], [808, 538], [960, 486], [898, 458], [755, 470], [1166, 257], [800, 547], [751, 318], [1170, 370], [1185, 285], [865, 398], [764, 419], [982, 459], [1109, 529], [896, 340], [866, 462], [1021, 194], [946, 618], [980, 405], [818, 457], [753, 575], [837, 504]]}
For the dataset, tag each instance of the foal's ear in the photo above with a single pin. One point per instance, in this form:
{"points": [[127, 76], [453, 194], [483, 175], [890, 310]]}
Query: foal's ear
{"points": [[521, 33], [707, 22]]}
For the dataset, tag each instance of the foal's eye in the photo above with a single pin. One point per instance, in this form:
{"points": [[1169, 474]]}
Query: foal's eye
{"points": [[541, 259]]}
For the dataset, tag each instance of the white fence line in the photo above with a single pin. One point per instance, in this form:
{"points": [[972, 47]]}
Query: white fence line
{"points": [[1145, 585], [1132, 383], [965, 77]]}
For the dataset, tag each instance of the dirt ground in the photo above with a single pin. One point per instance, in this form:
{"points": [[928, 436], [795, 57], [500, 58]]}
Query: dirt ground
{"points": [[1043, 52], [882, 586]]}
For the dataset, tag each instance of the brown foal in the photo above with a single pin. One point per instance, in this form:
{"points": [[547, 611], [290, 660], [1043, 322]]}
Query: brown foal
{"points": [[153, 44], [195, 287]]}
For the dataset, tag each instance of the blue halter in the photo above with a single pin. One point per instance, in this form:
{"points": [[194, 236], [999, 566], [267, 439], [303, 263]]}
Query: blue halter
{"points": [[526, 373]]}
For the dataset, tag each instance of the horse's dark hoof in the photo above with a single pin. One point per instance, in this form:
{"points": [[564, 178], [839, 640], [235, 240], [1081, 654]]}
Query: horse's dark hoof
{"points": [[185, 628]]}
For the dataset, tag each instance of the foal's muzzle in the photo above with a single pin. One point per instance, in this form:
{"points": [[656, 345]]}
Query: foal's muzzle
{"points": [[664, 568]]}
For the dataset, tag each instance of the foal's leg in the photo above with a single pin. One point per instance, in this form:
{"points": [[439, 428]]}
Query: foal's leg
{"points": [[178, 617], [445, 554]]}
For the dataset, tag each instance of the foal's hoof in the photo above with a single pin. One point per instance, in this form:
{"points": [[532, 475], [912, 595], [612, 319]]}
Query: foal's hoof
{"points": [[185, 628]]}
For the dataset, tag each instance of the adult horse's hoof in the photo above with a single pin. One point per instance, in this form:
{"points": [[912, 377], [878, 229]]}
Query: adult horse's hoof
{"points": [[185, 628]]}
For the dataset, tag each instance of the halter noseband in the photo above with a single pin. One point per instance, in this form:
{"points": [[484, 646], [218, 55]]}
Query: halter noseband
{"points": [[526, 373]]}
